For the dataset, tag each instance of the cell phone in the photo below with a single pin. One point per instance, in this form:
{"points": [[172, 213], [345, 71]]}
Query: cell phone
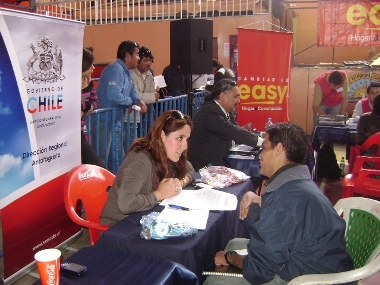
{"points": [[73, 268]]}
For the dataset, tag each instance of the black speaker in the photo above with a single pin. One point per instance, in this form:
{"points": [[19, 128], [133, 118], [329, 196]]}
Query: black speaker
{"points": [[191, 45]]}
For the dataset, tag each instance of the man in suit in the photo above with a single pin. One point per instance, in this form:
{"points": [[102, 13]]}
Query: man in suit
{"points": [[215, 127]]}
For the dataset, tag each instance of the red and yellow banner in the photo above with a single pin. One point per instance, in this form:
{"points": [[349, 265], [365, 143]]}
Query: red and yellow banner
{"points": [[347, 23], [263, 76]]}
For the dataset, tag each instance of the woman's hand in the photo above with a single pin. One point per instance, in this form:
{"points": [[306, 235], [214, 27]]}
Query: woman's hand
{"points": [[246, 201], [168, 187], [90, 111]]}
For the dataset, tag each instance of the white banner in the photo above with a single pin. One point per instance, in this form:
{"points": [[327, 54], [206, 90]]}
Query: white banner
{"points": [[40, 96], [40, 71]]}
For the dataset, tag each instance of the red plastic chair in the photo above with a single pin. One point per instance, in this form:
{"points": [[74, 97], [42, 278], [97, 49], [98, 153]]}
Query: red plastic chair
{"points": [[362, 180], [356, 150], [87, 185]]}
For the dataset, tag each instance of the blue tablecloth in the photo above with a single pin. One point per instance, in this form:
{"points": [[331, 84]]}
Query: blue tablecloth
{"points": [[247, 165], [107, 266], [329, 134], [250, 166], [196, 252]]}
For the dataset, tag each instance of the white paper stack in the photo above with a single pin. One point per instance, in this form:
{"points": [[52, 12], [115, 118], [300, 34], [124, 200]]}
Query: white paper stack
{"points": [[199, 203], [159, 81], [204, 199]]}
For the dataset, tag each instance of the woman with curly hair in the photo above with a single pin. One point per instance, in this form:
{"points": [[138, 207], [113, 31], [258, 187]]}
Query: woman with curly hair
{"points": [[155, 168]]}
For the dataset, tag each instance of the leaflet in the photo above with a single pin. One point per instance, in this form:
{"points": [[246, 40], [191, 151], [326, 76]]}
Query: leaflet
{"points": [[203, 199]]}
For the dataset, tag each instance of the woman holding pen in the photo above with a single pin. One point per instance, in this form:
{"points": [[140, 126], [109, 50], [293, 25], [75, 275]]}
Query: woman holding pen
{"points": [[155, 168]]}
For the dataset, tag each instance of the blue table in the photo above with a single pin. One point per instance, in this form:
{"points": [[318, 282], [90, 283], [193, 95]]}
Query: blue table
{"points": [[332, 134], [247, 165], [329, 134], [107, 266], [196, 252]]}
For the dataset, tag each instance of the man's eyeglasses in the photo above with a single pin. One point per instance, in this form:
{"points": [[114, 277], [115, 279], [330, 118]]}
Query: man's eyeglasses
{"points": [[229, 86]]}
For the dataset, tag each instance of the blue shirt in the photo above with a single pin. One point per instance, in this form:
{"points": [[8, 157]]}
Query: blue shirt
{"points": [[116, 87]]}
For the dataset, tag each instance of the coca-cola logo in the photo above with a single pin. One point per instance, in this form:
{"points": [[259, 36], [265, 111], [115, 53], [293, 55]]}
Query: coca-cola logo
{"points": [[85, 175], [51, 272]]}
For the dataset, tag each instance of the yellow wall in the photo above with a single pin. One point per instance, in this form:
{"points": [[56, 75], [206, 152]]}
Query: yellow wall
{"points": [[105, 39]]}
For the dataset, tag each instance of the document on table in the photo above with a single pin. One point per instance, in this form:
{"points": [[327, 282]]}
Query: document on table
{"points": [[238, 156], [194, 218], [204, 199]]}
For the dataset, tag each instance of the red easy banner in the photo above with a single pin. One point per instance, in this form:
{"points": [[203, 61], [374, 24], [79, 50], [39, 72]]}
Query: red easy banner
{"points": [[263, 76], [348, 23]]}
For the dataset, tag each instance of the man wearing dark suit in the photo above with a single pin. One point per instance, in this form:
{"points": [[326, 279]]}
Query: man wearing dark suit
{"points": [[215, 127]]}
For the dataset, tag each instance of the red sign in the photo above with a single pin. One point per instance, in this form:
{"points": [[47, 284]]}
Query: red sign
{"points": [[263, 76], [348, 23]]}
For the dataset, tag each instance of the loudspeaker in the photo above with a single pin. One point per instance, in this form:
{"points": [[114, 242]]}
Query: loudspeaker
{"points": [[191, 45]]}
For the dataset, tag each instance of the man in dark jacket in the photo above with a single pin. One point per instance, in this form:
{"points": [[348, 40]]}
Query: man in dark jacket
{"points": [[215, 127], [293, 228], [220, 72], [176, 82]]}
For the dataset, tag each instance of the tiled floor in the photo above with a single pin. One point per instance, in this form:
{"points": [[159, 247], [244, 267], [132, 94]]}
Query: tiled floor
{"points": [[32, 276]]}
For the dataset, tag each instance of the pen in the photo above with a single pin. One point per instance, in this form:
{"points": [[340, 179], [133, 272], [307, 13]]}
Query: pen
{"points": [[178, 207]]}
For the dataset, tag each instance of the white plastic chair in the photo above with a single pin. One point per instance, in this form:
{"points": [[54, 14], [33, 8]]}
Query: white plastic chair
{"points": [[362, 216]]}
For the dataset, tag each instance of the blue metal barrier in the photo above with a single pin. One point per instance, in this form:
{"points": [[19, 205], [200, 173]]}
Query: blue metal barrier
{"points": [[110, 131], [198, 100]]}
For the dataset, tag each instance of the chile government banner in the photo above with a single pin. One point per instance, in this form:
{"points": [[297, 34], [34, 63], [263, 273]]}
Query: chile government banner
{"points": [[40, 71], [348, 23], [263, 76]]}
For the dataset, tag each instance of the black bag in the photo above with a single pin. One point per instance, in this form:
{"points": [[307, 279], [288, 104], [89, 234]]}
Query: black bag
{"points": [[327, 163]]}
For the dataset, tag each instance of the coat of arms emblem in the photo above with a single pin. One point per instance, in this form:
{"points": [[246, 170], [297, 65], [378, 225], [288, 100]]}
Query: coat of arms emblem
{"points": [[45, 65]]}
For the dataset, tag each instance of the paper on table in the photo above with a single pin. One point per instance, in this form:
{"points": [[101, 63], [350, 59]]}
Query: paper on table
{"points": [[193, 218], [205, 198], [159, 81], [238, 156]]}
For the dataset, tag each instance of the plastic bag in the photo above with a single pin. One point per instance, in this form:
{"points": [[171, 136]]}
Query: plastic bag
{"points": [[154, 228], [221, 176]]}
